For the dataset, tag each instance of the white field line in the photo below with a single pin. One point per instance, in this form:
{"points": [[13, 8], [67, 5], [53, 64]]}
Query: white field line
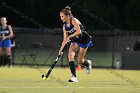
{"points": [[8, 87]]}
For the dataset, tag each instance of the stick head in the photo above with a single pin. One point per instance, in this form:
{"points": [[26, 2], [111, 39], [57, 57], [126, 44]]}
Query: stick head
{"points": [[44, 77]]}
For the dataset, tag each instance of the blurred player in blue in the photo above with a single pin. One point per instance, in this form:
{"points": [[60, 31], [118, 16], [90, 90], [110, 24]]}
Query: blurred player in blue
{"points": [[6, 33], [73, 31]]}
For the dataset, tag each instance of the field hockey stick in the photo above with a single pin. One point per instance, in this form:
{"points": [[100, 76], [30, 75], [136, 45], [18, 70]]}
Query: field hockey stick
{"points": [[52, 66]]}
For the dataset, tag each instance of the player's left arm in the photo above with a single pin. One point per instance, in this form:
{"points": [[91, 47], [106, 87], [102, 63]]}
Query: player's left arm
{"points": [[10, 32], [75, 23]]}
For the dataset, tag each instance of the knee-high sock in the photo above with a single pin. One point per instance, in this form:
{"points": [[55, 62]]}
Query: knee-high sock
{"points": [[1, 60], [85, 63], [9, 60], [72, 68]]}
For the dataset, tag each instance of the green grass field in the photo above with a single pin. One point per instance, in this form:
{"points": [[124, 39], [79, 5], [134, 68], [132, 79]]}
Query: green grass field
{"points": [[28, 80]]}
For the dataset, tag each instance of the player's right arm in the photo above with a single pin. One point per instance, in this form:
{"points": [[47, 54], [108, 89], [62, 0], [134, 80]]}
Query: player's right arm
{"points": [[65, 35]]}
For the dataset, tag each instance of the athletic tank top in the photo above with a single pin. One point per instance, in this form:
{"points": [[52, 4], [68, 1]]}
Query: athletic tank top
{"points": [[4, 31], [83, 38]]}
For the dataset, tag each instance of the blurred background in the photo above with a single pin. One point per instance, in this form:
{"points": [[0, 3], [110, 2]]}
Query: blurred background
{"points": [[113, 24]]}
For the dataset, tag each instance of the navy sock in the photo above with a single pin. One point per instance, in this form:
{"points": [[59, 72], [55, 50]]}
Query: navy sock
{"points": [[1, 60], [85, 63], [9, 60], [72, 68]]}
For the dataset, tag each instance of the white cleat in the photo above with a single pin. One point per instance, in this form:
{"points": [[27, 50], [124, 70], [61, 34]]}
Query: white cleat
{"points": [[73, 79], [88, 69]]}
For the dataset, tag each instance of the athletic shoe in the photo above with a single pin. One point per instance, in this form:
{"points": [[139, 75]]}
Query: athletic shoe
{"points": [[88, 69], [73, 79]]}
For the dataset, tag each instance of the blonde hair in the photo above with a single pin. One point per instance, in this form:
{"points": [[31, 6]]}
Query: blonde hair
{"points": [[2, 18]]}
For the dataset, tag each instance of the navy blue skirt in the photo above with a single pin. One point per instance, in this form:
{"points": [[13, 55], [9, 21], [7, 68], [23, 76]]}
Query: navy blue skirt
{"points": [[85, 45]]}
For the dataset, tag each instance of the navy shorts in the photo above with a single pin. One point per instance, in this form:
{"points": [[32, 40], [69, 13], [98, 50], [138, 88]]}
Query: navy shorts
{"points": [[6, 43]]}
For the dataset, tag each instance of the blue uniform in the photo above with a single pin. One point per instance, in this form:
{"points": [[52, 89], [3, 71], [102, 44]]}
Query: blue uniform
{"points": [[83, 40], [7, 42]]}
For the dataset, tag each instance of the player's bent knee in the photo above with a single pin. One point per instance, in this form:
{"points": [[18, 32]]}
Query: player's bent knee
{"points": [[70, 55]]}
